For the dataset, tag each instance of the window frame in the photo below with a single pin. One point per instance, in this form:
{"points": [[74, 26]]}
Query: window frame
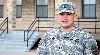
{"points": [[21, 8], [21, 11], [83, 17], [36, 10], [2, 11]]}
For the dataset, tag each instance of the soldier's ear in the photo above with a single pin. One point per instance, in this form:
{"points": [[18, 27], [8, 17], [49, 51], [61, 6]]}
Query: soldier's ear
{"points": [[75, 16]]}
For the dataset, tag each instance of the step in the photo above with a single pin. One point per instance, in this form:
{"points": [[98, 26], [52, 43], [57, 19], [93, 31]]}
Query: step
{"points": [[15, 42], [16, 53], [14, 49], [22, 33]]}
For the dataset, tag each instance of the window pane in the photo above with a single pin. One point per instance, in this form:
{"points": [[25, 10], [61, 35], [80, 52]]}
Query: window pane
{"points": [[18, 2], [89, 1], [39, 11], [92, 11], [1, 2], [1, 11], [89, 8], [89, 11], [86, 11], [18, 11], [42, 2], [92, 1], [42, 11], [45, 11], [86, 1]]}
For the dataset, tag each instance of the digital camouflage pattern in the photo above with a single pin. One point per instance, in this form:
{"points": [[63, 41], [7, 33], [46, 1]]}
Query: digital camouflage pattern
{"points": [[65, 7], [76, 42]]}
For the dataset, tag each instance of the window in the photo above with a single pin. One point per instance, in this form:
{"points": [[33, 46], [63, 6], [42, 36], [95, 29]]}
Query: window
{"points": [[18, 8], [1, 8], [42, 8], [1, 11], [18, 11], [89, 8]]}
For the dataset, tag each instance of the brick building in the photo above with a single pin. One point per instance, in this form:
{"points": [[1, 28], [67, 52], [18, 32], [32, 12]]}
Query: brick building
{"points": [[22, 12]]}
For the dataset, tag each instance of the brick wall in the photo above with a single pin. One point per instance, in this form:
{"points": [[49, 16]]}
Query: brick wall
{"points": [[29, 14]]}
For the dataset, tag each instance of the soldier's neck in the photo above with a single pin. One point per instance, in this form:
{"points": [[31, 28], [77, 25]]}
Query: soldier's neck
{"points": [[67, 29]]}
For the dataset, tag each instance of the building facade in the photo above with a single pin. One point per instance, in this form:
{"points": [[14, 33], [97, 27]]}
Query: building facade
{"points": [[21, 13]]}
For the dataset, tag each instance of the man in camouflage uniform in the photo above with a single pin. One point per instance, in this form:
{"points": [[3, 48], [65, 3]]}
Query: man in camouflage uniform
{"points": [[67, 39]]}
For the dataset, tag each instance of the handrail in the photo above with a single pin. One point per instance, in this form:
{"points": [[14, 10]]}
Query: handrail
{"points": [[31, 25], [95, 21], [49, 19], [2, 32], [30, 37], [4, 21], [27, 37], [26, 32], [2, 24]]}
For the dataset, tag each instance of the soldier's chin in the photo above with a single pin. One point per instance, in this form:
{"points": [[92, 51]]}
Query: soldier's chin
{"points": [[65, 26]]}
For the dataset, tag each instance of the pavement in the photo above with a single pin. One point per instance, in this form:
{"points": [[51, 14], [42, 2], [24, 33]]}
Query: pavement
{"points": [[18, 53], [32, 52]]}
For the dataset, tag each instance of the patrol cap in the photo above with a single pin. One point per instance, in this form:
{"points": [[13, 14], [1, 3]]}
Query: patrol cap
{"points": [[65, 7]]}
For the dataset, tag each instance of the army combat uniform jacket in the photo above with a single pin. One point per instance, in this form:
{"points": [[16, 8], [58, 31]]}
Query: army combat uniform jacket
{"points": [[76, 42]]}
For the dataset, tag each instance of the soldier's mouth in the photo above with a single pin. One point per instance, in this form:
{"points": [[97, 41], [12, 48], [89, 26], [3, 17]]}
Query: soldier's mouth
{"points": [[64, 21]]}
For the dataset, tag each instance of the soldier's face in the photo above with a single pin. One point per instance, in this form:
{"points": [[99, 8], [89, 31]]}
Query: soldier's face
{"points": [[66, 19]]}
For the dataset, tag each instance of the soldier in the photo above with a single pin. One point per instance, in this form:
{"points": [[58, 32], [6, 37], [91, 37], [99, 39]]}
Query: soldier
{"points": [[68, 39]]}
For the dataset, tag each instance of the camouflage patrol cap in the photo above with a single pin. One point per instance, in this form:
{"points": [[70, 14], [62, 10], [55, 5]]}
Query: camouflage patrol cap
{"points": [[65, 7]]}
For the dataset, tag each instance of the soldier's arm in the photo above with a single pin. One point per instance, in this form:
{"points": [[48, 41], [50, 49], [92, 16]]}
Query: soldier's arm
{"points": [[90, 45], [41, 50]]}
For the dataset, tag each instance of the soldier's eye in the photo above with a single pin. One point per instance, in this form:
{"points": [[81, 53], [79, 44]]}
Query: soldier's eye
{"points": [[65, 13], [61, 13], [69, 13]]}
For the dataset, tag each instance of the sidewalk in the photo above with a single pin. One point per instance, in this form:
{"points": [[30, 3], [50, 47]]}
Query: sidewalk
{"points": [[18, 53]]}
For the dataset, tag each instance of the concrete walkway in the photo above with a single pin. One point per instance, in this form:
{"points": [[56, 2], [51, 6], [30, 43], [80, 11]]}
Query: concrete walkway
{"points": [[33, 52], [18, 53]]}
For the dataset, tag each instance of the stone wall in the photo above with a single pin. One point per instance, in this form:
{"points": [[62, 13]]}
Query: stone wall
{"points": [[51, 8], [29, 14]]}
